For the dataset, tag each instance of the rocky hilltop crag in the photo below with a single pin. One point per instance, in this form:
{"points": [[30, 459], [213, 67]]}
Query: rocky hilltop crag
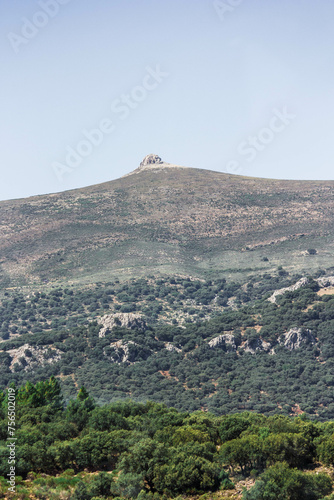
{"points": [[153, 163]]}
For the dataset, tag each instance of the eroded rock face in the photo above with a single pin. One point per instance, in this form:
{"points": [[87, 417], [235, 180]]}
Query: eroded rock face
{"points": [[127, 352], [225, 341], [302, 282], [120, 352], [170, 347], [150, 160], [256, 345], [124, 320], [29, 356], [294, 338], [324, 282]]}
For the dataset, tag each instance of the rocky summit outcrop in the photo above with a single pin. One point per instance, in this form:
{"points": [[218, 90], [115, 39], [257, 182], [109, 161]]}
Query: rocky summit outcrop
{"points": [[150, 160], [154, 164], [124, 320], [294, 338], [29, 357], [225, 341]]}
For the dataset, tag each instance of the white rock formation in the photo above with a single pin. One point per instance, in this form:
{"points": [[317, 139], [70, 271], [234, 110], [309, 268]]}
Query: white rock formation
{"points": [[322, 282], [40, 356], [256, 345], [150, 161], [225, 340], [294, 338], [325, 282], [171, 347], [121, 351], [302, 282], [125, 320]]}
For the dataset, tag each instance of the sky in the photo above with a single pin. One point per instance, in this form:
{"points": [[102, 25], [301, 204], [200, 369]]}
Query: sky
{"points": [[89, 87]]}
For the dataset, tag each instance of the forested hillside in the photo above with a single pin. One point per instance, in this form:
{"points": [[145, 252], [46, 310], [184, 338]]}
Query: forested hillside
{"points": [[149, 451], [210, 345]]}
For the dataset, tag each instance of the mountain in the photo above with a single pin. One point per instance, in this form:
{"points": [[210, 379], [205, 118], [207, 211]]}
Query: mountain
{"points": [[166, 219], [199, 289]]}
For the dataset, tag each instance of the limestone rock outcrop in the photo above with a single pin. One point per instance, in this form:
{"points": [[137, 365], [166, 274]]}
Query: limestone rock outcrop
{"points": [[170, 347], [150, 160], [225, 341], [124, 320], [325, 282], [126, 351], [120, 352], [294, 338], [253, 346], [29, 356], [302, 282]]}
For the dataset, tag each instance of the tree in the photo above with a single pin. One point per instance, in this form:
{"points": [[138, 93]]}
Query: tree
{"points": [[128, 485], [279, 482], [186, 473], [78, 410], [142, 459], [41, 394]]}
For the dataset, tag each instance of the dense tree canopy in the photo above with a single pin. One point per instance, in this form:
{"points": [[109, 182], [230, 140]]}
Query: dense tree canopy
{"points": [[143, 449]]}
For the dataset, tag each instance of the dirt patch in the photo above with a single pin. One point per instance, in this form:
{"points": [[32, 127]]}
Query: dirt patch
{"points": [[326, 291], [295, 409]]}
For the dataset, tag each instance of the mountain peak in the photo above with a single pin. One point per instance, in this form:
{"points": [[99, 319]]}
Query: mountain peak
{"points": [[152, 162]]}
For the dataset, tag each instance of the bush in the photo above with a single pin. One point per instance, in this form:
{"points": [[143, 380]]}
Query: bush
{"points": [[311, 251]]}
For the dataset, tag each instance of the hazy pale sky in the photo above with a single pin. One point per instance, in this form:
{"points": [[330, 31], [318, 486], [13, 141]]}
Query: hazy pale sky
{"points": [[89, 87]]}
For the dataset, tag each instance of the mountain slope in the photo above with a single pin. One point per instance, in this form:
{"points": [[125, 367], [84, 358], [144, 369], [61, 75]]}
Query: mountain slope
{"points": [[264, 356], [168, 219]]}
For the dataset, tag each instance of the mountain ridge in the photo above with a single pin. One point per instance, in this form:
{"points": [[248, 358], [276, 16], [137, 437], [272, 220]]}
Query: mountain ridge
{"points": [[166, 219]]}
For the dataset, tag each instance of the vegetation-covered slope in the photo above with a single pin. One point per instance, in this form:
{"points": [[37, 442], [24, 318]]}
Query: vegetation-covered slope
{"points": [[169, 220], [193, 345], [149, 451]]}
